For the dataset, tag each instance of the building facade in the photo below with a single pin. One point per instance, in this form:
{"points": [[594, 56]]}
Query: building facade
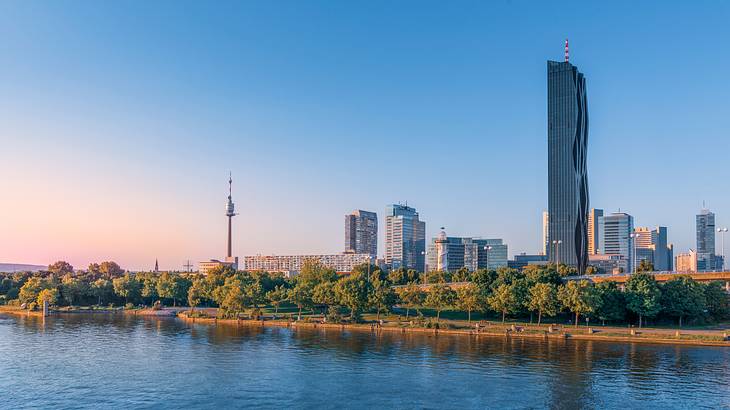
{"points": [[706, 259], [616, 236], [361, 232], [292, 264], [545, 232], [593, 238], [449, 253], [568, 199], [405, 238], [686, 262], [651, 245]]}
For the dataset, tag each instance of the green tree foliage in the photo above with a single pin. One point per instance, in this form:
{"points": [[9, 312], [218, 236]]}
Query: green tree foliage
{"points": [[102, 290], [643, 296], [149, 289], [543, 299], [381, 297], [60, 268], [352, 292], [541, 274], [30, 290], [503, 300], [110, 269], [196, 293], [439, 297], [578, 297], [682, 296], [301, 295], [484, 278], [127, 287], [48, 295], [461, 275], [611, 304], [324, 295], [411, 296], [470, 298], [645, 266], [718, 301], [277, 296]]}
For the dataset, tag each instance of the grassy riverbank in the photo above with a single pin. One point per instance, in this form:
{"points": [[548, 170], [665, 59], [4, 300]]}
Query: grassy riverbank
{"points": [[396, 323]]}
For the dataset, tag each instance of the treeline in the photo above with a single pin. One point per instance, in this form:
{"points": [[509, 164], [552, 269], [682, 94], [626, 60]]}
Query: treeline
{"points": [[535, 292]]}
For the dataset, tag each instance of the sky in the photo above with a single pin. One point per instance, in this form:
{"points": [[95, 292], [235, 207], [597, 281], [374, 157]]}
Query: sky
{"points": [[120, 121]]}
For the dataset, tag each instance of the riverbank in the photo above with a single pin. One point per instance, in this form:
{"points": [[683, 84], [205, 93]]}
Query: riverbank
{"points": [[491, 329]]}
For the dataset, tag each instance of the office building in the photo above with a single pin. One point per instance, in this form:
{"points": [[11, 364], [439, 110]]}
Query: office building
{"points": [[568, 199], [291, 265], [706, 258], [361, 233], [616, 236], [686, 262], [449, 254], [405, 238], [593, 240], [523, 259], [612, 264], [651, 245], [545, 235]]}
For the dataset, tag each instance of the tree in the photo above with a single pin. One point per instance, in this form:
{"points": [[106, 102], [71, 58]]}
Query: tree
{"points": [[301, 295], [324, 294], [277, 296], [381, 297], [352, 292], [48, 295], [149, 289], [683, 296], [166, 286], [74, 289], [439, 297], [611, 303], [543, 299], [127, 287], [196, 293], [102, 289], [503, 300], [469, 298], [718, 301], [643, 296], [411, 296], [578, 297], [30, 290], [233, 300], [60, 268], [110, 269], [645, 266], [461, 275]]}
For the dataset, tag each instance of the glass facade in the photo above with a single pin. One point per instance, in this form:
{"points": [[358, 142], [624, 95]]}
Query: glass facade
{"points": [[405, 238], [568, 199], [361, 233], [706, 259]]}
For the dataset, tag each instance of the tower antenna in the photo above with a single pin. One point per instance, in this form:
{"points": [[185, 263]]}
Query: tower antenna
{"points": [[566, 50]]}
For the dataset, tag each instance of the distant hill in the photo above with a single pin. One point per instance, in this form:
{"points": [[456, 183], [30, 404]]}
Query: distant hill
{"points": [[20, 267]]}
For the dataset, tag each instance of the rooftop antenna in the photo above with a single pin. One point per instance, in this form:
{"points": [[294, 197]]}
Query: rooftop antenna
{"points": [[566, 50]]}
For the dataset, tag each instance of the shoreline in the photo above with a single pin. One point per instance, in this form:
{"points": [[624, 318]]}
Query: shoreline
{"points": [[563, 334]]}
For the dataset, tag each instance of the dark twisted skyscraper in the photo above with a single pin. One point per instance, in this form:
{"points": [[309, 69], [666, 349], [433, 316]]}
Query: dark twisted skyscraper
{"points": [[568, 203]]}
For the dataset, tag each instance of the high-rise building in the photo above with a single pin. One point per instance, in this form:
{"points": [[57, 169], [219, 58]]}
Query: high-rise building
{"points": [[291, 265], [230, 260], [686, 262], [593, 239], [568, 200], [616, 236], [405, 238], [361, 232], [545, 234], [651, 245], [706, 259], [450, 253]]}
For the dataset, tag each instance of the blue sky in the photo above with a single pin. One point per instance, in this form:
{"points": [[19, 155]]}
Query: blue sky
{"points": [[119, 122]]}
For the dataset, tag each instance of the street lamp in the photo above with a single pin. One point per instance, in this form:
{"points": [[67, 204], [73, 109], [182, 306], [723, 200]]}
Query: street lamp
{"points": [[556, 245], [486, 252], [722, 231], [633, 239]]}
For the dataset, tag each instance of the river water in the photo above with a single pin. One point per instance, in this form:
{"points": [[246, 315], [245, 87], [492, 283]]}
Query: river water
{"points": [[118, 361]]}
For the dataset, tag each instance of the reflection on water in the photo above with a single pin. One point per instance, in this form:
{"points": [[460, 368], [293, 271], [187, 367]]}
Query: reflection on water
{"points": [[116, 360]]}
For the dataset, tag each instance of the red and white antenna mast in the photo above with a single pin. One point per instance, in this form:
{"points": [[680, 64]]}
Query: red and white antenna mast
{"points": [[566, 50]]}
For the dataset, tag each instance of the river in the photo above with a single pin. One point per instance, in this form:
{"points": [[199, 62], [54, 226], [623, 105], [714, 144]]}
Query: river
{"points": [[120, 361]]}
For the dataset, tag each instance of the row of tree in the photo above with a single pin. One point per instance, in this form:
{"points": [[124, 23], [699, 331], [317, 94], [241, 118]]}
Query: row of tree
{"points": [[536, 290]]}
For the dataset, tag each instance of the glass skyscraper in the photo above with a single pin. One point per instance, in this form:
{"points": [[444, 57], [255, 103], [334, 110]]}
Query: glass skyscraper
{"points": [[567, 170], [706, 259], [405, 238], [361, 233]]}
